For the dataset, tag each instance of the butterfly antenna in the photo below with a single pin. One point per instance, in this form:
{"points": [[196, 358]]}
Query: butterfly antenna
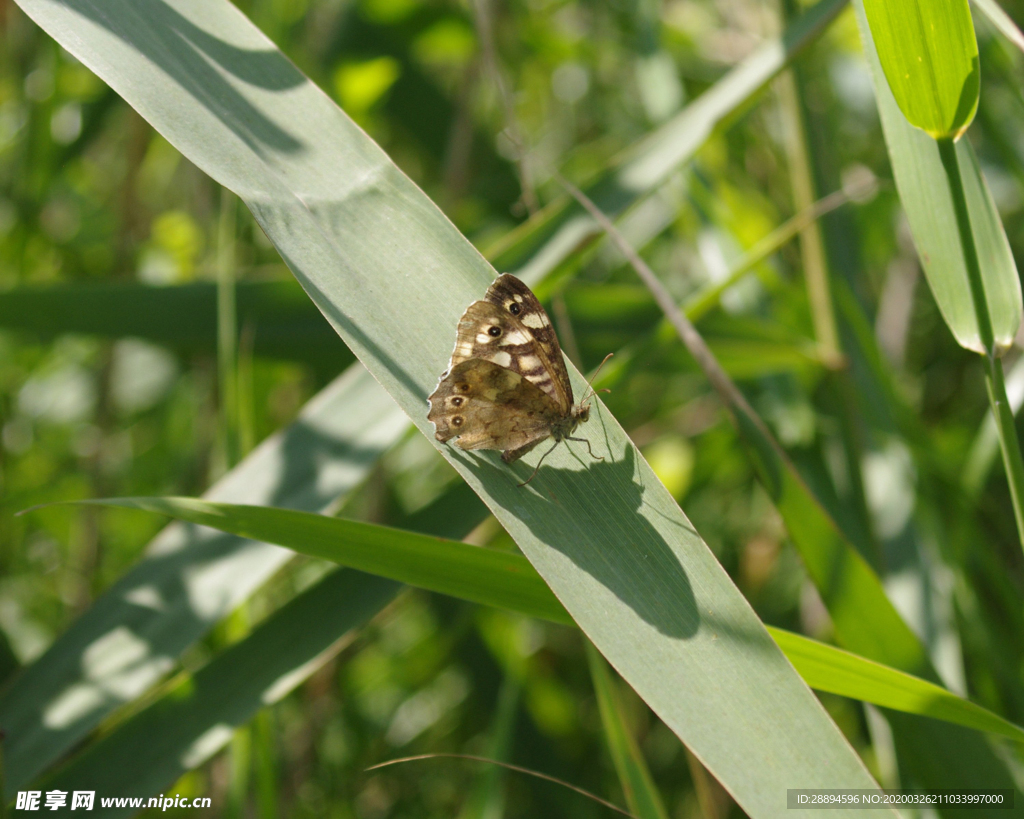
{"points": [[590, 391]]}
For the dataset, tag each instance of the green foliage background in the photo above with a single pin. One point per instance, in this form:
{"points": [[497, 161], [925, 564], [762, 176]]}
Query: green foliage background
{"points": [[152, 337]]}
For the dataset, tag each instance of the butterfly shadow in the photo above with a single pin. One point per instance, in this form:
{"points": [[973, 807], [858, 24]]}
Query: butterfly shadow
{"points": [[631, 556]]}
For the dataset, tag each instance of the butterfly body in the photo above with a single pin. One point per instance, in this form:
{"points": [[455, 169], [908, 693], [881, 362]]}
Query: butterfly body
{"points": [[506, 386]]}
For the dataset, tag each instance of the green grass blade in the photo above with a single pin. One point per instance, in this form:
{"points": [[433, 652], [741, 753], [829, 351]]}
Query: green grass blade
{"points": [[929, 54], [924, 193], [507, 580], [642, 796], [445, 566], [827, 668], [487, 798], [197, 714], [190, 578]]}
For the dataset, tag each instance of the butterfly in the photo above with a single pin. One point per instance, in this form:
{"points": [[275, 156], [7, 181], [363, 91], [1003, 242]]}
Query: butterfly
{"points": [[506, 386]]}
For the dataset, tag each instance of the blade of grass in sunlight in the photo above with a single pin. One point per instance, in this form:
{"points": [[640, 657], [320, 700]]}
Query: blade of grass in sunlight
{"points": [[190, 578], [925, 196], [460, 570], [947, 201], [930, 58], [196, 714], [392, 276]]}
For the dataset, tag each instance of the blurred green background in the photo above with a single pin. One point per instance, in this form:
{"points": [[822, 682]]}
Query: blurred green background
{"points": [[111, 385]]}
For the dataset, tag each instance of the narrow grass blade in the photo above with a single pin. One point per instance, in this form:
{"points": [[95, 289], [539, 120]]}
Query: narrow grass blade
{"points": [[392, 275], [507, 580], [827, 668], [445, 566], [487, 798], [984, 451], [190, 578], [197, 714], [1002, 21], [642, 796]]}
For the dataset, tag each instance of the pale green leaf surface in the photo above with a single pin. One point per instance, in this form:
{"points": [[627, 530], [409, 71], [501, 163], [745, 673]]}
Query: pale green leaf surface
{"points": [[197, 715], [508, 581], [392, 275], [445, 566], [924, 192], [190, 578], [161, 629], [930, 58]]}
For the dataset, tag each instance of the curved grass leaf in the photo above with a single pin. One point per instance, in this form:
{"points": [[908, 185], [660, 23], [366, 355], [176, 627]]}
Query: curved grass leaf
{"points": [[190, 578], [930, 58], [507, 580], [445, 566], [392, 276], [831, 669], [925, 195]]}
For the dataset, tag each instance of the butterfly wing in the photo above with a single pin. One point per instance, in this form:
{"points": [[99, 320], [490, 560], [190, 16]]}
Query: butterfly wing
{"points": [[510, 328], [485, 406], [517, 301]]}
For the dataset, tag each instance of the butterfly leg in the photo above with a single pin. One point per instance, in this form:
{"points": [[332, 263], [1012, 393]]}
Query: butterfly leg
{"points": [[585, 441], [542, 457]]}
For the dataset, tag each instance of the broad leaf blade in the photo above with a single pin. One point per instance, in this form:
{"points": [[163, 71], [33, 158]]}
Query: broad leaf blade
{"points": [[930, 58]]}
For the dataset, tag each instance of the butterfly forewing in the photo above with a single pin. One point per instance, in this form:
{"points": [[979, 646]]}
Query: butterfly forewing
{"points": [[517, 301]]}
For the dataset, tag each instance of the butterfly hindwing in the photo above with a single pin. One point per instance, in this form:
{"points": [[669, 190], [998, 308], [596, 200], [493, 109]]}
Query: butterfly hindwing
{"points": [[486, 406]]}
